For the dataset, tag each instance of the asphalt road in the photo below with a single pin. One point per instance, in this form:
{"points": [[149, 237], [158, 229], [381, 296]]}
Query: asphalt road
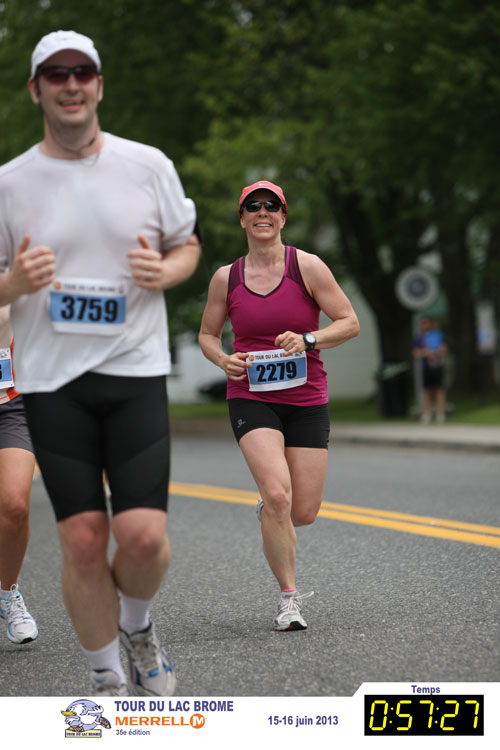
{"points": [[390, 605]]}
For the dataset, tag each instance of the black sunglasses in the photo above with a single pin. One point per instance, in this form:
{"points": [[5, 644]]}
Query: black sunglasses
{"points": [[58, 74], [254, 206]]}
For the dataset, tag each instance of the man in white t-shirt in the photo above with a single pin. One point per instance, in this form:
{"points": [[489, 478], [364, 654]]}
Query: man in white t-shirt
{"points": [[17, 464], [93, 229]]}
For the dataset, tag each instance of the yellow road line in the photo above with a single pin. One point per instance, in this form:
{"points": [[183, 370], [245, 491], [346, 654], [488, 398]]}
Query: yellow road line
{"points": [[416, 528], [459, 531], [214, 493], [431, 520]]}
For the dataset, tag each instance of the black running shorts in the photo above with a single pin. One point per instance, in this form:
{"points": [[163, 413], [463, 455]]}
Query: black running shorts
{"points": [[102, 423], [433, 377], [14, 431], [302, 426]]}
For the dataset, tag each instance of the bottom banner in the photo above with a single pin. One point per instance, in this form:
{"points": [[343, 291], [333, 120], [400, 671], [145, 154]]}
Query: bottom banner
{"points": [[451, 715]]}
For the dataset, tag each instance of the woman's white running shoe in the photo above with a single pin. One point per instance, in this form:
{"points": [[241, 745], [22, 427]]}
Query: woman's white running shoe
{"points": [[289, 615]]}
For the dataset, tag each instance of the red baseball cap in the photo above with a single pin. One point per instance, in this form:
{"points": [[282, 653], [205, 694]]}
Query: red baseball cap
{"points": [[263, 185]]}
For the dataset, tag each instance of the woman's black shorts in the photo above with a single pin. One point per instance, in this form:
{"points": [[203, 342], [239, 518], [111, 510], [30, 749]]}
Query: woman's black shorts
{"points": [[101, 423], [302, 426]]}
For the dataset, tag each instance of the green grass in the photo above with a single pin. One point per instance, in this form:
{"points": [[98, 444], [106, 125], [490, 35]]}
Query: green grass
{"points": [[472, 410], [466, 410], [353, 410], [202, 410]]}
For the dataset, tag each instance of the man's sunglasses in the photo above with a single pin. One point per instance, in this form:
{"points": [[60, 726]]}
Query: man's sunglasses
{"points": [[58, 74], [254, 206]]}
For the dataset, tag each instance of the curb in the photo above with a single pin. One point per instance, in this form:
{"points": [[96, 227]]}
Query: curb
{"points": [[442, 437], [399, 442], [471, 438]]}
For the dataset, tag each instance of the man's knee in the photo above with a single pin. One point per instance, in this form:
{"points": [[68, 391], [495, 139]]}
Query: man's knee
{"points": [[145, 545], [84, 541], [141, 534]]}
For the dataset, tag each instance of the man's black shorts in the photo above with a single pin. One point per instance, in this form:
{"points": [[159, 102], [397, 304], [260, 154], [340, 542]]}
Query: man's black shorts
{"points": [[302, 426], [102, 423]]}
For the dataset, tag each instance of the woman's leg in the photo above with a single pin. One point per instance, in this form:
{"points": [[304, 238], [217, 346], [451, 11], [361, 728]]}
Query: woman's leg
{"points": [[264, 453]]}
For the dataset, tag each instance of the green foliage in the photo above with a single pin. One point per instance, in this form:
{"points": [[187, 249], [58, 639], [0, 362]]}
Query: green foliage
{"points": [[145, 49], [150, 76], [378, 117]]}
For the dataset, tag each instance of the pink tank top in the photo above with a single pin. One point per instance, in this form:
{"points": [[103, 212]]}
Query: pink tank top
{"points": [[257, 319]]}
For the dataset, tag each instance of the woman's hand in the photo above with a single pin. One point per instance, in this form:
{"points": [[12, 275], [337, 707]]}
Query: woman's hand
{"points": [[235, 365], [290, 342]]}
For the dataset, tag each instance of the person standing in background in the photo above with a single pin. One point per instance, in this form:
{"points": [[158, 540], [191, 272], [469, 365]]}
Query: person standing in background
{"points": [[430, 349]]}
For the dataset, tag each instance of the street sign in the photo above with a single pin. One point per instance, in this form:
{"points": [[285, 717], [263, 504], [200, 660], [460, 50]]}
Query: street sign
{"points": [[416, 288]]}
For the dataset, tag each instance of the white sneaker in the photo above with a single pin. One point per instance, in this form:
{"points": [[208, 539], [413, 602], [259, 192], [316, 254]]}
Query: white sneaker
{"points": [[289, 615], [107, 682], [21, 626], [150, 671]]}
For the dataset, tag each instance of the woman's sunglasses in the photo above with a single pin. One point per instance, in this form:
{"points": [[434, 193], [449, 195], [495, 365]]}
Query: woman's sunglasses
{"points": [[58, 74], [254, 206]]}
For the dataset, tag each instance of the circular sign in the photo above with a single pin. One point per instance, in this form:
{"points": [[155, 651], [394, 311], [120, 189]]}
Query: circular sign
{"points": [[416, 288]]}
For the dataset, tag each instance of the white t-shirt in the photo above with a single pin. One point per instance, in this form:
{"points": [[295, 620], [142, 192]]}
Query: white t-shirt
{"points": [[90, 213]]}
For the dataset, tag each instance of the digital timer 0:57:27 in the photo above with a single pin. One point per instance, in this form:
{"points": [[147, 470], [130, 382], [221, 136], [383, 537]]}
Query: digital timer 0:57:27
{"points": [[416, 715]]}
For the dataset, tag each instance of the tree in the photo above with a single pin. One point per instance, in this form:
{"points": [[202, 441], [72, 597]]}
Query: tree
{"points": [[381, 117], [440, 104], [150, 80]]}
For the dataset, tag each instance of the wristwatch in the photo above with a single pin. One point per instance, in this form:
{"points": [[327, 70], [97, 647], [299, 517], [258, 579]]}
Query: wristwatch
{"points": [[309, 341]]}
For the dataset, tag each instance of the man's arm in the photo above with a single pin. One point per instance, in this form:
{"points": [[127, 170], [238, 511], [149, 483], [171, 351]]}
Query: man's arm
{"points": [[152, 270]]}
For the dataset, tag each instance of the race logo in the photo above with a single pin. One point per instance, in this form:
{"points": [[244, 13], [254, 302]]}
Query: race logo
{"points": [[84, 719]]}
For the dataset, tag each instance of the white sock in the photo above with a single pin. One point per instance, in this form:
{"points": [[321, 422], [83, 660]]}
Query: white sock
{"points": [[4, 594], [134, 614], [107, 657]]}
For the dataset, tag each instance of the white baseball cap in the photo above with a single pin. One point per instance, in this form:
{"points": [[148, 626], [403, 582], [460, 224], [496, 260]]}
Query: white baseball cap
{"points": [[56, 41]]}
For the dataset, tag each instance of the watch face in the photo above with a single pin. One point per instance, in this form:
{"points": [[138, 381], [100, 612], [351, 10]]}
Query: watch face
{"points": [[310, 340]]}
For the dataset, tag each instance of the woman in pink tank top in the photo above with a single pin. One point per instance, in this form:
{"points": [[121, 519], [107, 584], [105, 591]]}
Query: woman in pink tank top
{"points": [[277, 386]]}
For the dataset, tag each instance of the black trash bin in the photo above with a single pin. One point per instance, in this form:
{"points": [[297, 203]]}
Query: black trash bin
{"points": [[215, 389], [393, 380]]}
